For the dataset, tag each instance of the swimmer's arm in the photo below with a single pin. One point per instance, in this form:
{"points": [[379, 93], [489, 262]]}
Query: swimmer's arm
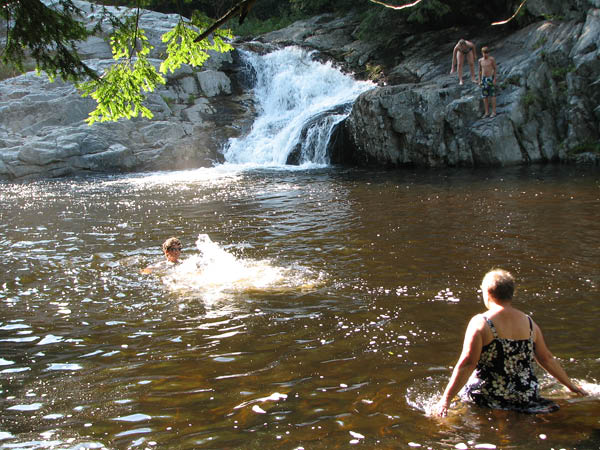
{"points": [[466, 364], [480, 69], [495, 67], [150, 269], [546, 359]]}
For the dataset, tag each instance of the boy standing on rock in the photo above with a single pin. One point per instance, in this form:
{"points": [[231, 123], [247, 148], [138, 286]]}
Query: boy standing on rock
{"points": [[487, 81]]}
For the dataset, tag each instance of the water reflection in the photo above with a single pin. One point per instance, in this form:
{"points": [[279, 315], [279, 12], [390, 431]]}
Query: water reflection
{"points": [[337, 305]]}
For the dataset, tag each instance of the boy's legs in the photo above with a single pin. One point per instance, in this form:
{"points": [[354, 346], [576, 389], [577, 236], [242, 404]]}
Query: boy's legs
{"points": [[486, 106], [493, 106]]}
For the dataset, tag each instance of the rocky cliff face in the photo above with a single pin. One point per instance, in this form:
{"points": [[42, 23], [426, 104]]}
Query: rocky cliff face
{"points": [[548, 92], [43, 133], [548, 104]]}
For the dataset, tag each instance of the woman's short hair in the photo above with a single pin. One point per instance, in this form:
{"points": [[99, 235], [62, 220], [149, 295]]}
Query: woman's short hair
{"points": [[499, 283], [171, 244]]}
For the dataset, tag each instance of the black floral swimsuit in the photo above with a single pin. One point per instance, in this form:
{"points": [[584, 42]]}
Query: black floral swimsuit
{"points": [[504, 376]]}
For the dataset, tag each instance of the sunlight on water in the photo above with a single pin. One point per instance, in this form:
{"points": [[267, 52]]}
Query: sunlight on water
{"points": [[318, 309], [214, 176], [215, 274], [424, 394]]}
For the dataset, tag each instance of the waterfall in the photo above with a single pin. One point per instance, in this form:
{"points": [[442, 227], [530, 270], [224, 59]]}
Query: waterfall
{"points": [[299, 102]]}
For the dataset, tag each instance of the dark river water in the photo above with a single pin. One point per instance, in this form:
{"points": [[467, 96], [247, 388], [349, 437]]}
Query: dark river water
{"points": [[318, 309]]}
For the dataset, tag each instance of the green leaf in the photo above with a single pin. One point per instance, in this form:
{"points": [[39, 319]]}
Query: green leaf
{"points": [[181, 48], [119, 93]]}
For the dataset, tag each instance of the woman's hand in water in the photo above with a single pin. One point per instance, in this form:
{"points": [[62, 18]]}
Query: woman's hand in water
{"points": [[577, 390], [441, 409]]}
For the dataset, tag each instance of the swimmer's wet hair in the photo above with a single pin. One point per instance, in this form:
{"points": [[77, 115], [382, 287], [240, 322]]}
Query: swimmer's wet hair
{"points": [[171, 244], [485, 50], [500, 284]]}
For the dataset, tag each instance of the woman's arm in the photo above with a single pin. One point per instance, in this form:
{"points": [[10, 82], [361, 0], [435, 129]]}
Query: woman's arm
{"points": [[464, 367], [454, 58], [547, 360]]}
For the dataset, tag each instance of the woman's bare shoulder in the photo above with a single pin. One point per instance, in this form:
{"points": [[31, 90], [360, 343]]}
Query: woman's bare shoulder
{"points": [[477, 321]]}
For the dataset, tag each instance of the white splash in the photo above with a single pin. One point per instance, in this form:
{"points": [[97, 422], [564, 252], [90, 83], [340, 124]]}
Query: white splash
{"points": [[215, 273], [294, 93]]}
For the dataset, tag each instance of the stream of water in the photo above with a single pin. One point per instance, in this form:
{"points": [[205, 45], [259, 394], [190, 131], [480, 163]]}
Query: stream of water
{"points": [[316, 307]]}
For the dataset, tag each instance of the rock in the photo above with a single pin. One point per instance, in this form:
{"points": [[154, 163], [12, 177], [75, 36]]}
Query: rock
{"points": [[417, 115], [214, 83], [43, 132], [95, 47], [559, 8], [546, 105], [195, 112], [116, 158]]}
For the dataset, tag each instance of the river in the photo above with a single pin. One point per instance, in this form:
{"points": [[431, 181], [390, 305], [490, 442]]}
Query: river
{"points": [[316, 307]]}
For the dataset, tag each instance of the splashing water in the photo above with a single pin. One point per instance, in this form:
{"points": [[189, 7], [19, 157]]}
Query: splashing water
{"points": [[215, 273], [299, 102], [426, 393]]}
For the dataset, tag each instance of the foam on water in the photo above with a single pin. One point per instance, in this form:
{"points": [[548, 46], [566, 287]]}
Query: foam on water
{"points": [[215, 274], [208, 176]]}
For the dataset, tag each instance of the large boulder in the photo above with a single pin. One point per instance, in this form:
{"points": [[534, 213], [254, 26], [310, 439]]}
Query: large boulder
{"points": [[548, 104], [43, 132]]}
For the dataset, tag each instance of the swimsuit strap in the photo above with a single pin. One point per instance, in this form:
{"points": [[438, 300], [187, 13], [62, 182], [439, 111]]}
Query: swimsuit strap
{"points": [[530, 329], [492, 327]]}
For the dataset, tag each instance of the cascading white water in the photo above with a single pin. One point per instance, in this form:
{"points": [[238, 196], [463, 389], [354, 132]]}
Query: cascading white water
{"points": [[299, 103]]}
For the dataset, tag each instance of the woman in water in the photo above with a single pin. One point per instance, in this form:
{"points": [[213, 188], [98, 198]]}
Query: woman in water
{"points": [[500, 345]]}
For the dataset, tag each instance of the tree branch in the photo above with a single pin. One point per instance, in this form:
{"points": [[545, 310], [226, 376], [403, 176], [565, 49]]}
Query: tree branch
{"points": [[407, 5], [242, 7], [512, 17]]}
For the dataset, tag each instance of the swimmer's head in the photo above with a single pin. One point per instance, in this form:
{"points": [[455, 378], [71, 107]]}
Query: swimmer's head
{"points": [[499, 284], [485, 50], [172, 249]]}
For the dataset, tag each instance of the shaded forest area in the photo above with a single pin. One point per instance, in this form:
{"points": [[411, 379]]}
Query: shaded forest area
{"points": [[376, 20]]}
